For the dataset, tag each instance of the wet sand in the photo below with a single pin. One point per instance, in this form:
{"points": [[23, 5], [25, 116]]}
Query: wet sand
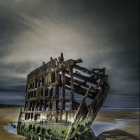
{"points": [[9, 115], [130, 131]]}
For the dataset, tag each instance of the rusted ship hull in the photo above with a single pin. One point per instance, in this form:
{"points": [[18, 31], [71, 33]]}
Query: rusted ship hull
{"points": [[49, 90]]}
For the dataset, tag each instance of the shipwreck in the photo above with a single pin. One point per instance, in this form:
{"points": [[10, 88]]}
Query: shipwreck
{"points": [[62, 99]]}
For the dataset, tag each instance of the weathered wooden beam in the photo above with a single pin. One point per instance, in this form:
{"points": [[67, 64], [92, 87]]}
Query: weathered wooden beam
{"points": [[81, 83]]}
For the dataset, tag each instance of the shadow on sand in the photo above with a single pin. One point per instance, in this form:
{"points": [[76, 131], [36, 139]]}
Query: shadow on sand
{"points": [[116, 134]]}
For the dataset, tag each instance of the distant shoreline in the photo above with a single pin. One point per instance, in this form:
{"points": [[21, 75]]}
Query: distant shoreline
{"points": [[102, 109], [8, 105]]}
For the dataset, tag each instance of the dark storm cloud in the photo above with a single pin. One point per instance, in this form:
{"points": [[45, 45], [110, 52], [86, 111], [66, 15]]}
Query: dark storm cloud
{"points": [[9, 84], [12, 98], [102, 33]]}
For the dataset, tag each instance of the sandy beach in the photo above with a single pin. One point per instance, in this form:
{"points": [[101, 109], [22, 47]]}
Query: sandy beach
{"points": [[9, 115], [129, 131]]}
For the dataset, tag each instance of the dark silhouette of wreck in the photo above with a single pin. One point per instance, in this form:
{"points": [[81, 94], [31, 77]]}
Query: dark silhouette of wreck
{"points": [[51, 103]]}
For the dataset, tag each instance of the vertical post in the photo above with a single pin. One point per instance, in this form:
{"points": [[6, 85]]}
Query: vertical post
{"points": [[45, 104], [26, 96], [50, 104], [38, 83], [62, 58], [63, 89], [57, 88], [72, 87], [56, 81], [40, 105]]}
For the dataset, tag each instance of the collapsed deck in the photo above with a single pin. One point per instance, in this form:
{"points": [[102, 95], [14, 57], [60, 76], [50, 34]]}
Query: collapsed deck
{"points": [[62, 99]]}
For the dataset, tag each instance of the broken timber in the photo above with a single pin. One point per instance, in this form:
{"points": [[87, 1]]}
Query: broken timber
{"points": [[51, 87]]}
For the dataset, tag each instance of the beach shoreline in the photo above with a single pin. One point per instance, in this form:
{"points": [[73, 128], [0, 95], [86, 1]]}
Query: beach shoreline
{"points": [[130, 129]]}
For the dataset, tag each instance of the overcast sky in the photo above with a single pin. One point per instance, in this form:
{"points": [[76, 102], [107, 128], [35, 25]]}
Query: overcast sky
{"points": [[103, 33]]}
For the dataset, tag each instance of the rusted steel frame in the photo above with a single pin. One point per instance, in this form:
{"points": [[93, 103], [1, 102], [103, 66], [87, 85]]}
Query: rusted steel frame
{"points": [[76, 91], [79, 92], [97, 69], [19, 116], [91, 95], [39, 105], [83, 91], [49, 98], [50, 105], [78, 87], [63, 89], [52, 84], [105, 84], [40, 98], [77, 112], [76, 104], [97, 105], [36, 112], [31, 90], [94, 78], [99, 94], [78, 61], [84, 99], [88, 71], [100, 70], [25, 101], [101, 81], [56, 81], [46, 104], [66, 99], [101, 97], [97, 98], [81, 83], [72, 88], [82, 77]]}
